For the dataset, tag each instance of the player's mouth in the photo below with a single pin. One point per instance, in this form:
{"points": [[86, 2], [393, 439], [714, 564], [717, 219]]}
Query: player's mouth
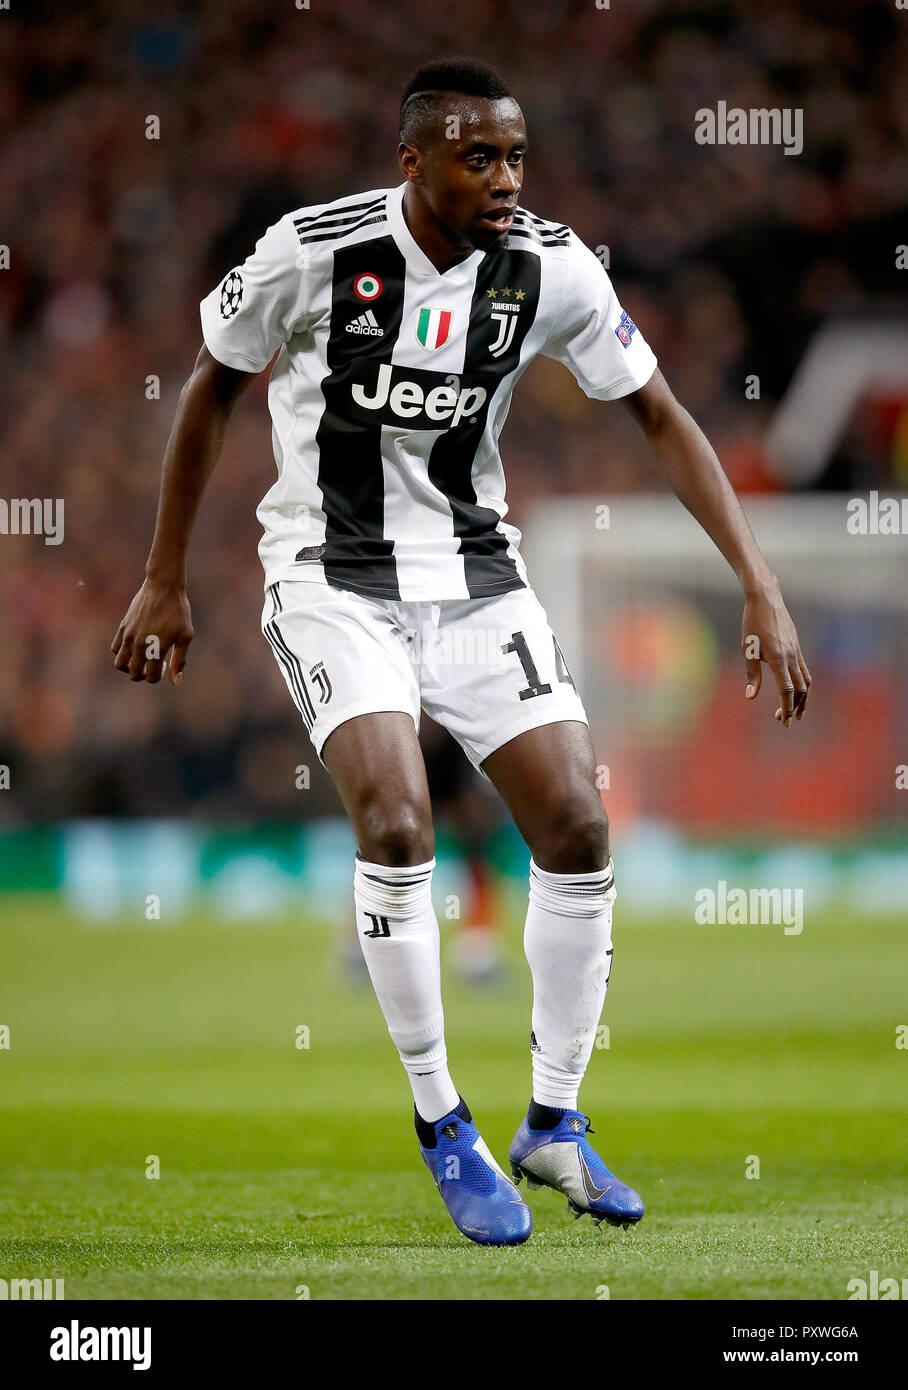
{"points": [[500, 218]]}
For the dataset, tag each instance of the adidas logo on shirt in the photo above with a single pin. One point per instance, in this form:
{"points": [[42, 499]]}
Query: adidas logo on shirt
{"points": [[367, 324]]}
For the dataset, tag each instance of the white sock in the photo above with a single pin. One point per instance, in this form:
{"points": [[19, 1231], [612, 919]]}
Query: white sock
{"points": [[568, 943], [398, 933]]}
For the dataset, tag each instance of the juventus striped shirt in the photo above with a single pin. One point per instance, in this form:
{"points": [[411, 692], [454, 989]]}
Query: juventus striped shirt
{"points": [[392, 383]]}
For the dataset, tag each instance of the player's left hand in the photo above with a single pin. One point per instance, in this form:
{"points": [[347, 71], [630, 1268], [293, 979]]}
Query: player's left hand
{"points": [[768, 634]]}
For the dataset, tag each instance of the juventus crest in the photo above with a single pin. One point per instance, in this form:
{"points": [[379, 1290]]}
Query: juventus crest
{"points": [[505, 311], [320, 676]]}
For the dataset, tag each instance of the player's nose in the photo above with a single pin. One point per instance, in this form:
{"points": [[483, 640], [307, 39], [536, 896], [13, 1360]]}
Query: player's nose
{"points": [[506, 179]]}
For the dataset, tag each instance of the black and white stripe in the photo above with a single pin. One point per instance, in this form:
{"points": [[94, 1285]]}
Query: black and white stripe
{"points": [[527, 224], [395, 882], [336, 222], [289, 661], [488, 567], [358, 555], [580, 888]]}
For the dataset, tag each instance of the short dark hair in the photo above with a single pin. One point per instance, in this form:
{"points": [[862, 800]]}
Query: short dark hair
{"points": [[464, 75]]}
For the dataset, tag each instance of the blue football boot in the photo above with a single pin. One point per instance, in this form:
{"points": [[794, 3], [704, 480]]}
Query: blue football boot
{"points": [[485, 1205], [563, 1158]]}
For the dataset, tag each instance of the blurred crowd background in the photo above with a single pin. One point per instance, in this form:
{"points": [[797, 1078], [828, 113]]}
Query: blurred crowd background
{"points": [[729, 259]]}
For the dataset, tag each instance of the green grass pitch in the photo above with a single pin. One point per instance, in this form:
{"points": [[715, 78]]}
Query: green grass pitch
{"points": [[283, 1168]]}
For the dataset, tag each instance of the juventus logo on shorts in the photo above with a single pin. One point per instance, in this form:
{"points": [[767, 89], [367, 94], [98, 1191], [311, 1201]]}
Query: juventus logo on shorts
{"points": [[320, 675]]}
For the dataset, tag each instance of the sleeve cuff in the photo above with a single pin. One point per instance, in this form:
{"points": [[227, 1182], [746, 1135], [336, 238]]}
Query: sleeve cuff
{"points": [[226, 356], [624, 385]]}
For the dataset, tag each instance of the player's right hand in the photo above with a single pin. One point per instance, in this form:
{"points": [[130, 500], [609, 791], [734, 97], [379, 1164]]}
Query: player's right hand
{"points": [[157, 620]]}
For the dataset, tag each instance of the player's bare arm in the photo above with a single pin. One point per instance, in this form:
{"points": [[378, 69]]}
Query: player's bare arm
{"points": [[690, 464], [160, 609]]}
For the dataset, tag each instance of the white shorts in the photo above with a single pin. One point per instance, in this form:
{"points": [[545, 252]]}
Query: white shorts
{"points": [[486, 669]]}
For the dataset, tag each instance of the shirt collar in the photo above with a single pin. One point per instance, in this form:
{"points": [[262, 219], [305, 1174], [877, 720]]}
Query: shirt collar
{"points": [[412, 252]]}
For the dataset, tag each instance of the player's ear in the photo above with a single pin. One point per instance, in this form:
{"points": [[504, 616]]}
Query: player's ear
{"points": [[410, 160]]}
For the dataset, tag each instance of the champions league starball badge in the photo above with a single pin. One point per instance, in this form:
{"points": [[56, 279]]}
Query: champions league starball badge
{"points": [[231, 294]]}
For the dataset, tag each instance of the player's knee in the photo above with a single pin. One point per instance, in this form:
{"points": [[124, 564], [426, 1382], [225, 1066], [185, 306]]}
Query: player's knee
{"points": [[395, 833], [576, 842]]}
